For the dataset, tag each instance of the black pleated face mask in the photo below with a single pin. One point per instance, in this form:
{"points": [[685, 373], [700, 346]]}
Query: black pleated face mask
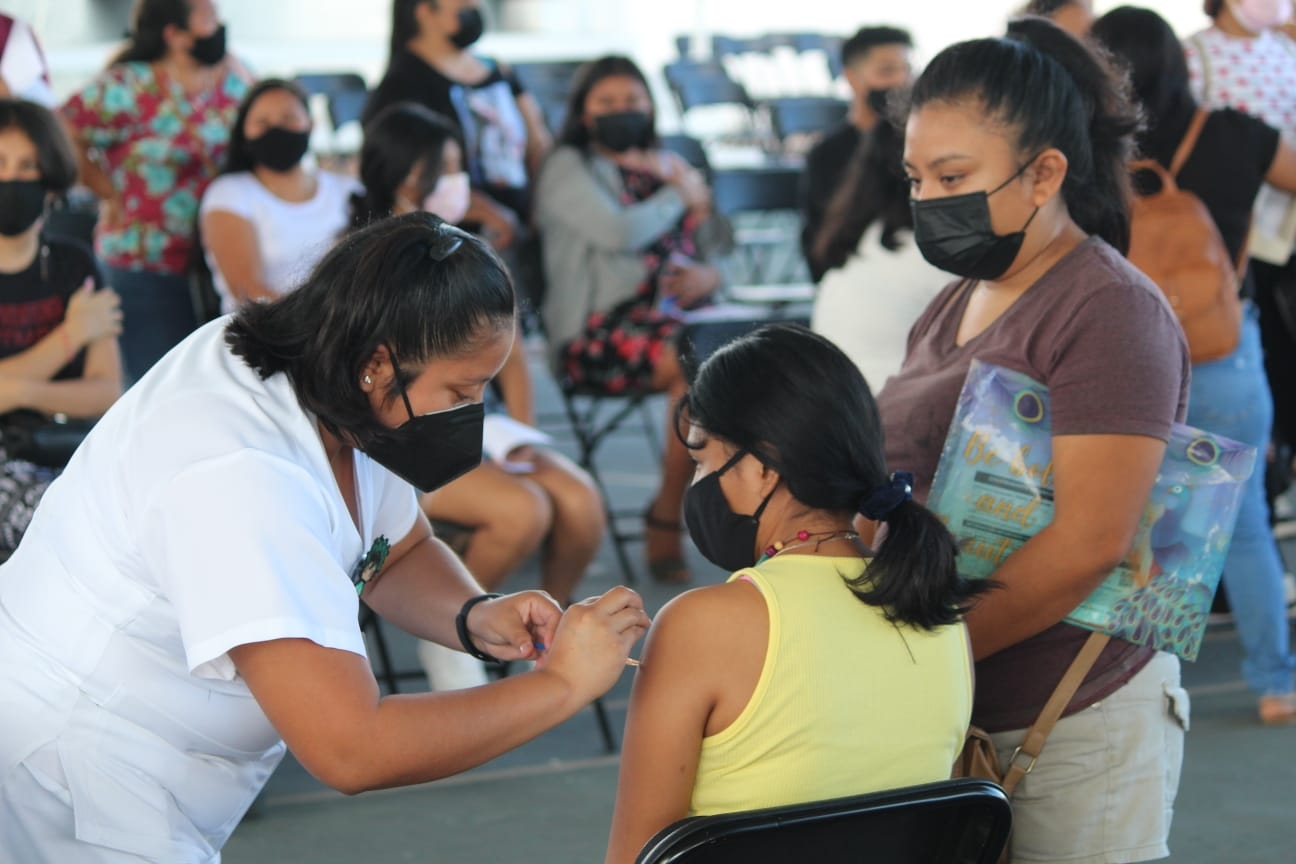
{"points": [[725, 538], [955, 234]]}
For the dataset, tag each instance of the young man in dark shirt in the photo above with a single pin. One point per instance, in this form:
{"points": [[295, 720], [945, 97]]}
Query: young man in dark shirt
{"points": [[875, 60]]}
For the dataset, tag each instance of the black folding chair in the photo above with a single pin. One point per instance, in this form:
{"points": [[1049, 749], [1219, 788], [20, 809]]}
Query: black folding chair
{"points": [[805, 115], [963, 821], [691, 149], [326, 83], [705, 84], [772, 189]]}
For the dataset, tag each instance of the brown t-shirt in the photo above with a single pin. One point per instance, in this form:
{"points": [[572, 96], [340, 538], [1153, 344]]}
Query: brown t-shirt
{"points": [[1102, 338]]}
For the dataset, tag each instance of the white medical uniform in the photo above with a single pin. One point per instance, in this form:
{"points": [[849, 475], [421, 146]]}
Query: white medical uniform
{"points": [[200, 514]]}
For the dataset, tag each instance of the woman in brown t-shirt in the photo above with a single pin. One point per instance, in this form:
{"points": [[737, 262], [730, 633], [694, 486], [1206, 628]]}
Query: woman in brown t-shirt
{"points": [[1016, 151]]}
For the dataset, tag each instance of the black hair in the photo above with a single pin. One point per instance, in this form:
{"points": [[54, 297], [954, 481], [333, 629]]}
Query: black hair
{"points": [[796, 402], [867, 38], [399, 138], [404, 24], [874, 187], [381, 285], [1143, 42], [150, 18], [1213, 8], [1046, 8], [55, 157], [1050, 90], [238, 156], [574, 131]]}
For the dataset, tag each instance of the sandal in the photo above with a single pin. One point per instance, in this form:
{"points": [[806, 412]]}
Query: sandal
{"points": [[669, 569], [1278, 710]]}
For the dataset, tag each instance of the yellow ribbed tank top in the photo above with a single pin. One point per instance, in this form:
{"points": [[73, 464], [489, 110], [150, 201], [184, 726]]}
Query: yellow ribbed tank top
{"points": [[846, 703]]}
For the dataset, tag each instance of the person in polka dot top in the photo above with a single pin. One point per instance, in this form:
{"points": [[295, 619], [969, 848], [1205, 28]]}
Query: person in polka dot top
{"points": [[1247, 60]]}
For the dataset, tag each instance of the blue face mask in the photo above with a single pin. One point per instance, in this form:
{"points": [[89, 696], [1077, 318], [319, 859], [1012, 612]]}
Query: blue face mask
{"points": [[955, 234], [725, 538]]}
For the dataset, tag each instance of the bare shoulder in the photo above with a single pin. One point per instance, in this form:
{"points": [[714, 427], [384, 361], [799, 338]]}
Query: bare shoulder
{"points": [[712, 621]]}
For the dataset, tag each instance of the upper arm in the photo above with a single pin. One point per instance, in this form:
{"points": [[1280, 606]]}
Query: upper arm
{"points": [[320, 700], [570, 194], [1101, 486], [235, 249], [99, 114], [539, 141], [1282, 170], [686, 663]]}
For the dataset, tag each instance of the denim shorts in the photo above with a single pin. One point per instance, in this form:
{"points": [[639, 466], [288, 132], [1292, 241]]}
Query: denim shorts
{"points": [[1104, 787]]}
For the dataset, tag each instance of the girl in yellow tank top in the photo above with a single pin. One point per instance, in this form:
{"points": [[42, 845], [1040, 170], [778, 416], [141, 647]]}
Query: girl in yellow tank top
{"points": [[819, 669]]}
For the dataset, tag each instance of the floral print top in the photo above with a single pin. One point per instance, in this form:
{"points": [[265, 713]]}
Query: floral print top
{"points": [[161, 148]]}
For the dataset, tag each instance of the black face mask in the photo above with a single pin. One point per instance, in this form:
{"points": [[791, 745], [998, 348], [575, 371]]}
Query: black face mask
{"points": [[209, 50], [954, 234], [431, 450], [622, 131], [879, 100], [725, 538], [471, 27], [21, 203], [279, 149]]}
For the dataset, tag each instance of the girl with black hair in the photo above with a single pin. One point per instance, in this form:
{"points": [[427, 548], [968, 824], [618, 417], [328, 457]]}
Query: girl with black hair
{"points": [[820, 668], [627, 230], [514, 505], [503, 131], [58, 351], [188, 590], [875, 282], [1233, 156], [150, 132], [1017, 151], [271, 214]]}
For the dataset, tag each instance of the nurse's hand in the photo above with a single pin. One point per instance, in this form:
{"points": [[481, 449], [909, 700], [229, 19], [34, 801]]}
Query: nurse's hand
{"points": [[510, 627], [594, 639]]}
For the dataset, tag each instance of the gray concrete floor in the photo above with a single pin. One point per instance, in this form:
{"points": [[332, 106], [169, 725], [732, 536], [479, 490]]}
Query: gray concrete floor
{"points": [[551, 800]]}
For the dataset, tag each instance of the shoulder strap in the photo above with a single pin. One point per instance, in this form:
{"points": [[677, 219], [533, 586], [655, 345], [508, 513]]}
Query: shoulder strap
{"points": [[1204, 59], [1033, 744], [1189, 141]]}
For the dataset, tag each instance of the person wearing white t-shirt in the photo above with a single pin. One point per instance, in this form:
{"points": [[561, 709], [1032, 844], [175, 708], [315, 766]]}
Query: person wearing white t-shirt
{"points": [[184, 604], [24, 74], [876, 283], [269, 217]]}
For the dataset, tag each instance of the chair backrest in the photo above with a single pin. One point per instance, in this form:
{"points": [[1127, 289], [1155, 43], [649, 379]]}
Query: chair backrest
{"points": [[739, 190], [547, 75], [692, 151], [328, 83], [964, 821], [802, 114], [346, 106], [703, 83]]}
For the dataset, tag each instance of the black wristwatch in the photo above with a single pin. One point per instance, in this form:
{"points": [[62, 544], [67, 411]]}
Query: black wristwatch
{"points": [[461, 626]]}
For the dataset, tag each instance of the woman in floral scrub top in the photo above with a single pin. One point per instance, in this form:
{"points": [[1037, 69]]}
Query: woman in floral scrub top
{"points": [[151, 130]]}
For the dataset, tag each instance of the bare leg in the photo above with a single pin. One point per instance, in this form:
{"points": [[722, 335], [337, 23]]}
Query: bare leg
{"points": [[664, 529], [578, 522], [510, 516]]}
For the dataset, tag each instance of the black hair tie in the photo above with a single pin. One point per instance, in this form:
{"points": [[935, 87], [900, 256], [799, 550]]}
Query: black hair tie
{"points": [[884, 498]]}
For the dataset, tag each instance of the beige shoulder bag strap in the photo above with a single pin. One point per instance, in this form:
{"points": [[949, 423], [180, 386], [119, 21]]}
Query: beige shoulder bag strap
{"points": [[1024, 757]]}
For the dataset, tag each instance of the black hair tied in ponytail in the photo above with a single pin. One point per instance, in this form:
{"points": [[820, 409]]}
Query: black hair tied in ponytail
{"points": [[794, 399]]}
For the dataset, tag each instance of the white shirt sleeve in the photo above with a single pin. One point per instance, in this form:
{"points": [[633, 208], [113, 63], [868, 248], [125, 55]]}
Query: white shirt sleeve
{"points": [[242, 547], [397, 507], [229, 194]]}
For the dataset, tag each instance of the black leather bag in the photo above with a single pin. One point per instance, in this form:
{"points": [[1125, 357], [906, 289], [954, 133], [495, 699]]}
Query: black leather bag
{"points": [[33, 437]]}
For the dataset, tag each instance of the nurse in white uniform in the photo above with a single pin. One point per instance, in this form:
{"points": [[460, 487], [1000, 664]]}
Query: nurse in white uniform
{"points": [[185, 601]]}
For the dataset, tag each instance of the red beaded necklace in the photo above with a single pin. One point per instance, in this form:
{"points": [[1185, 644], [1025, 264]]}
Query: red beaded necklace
{"points": [[802, 538]]}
